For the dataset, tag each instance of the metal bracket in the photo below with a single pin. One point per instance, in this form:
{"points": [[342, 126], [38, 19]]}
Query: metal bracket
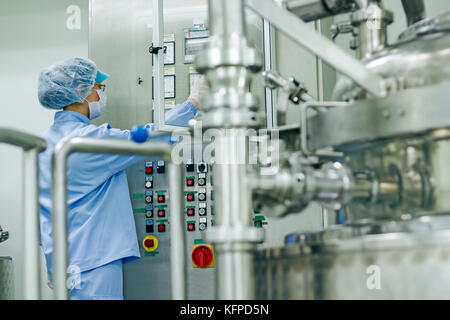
{"points": [[155, 50], [304, 128]]}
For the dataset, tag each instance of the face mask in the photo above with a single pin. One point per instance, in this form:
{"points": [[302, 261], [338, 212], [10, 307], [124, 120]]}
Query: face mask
{"points": [[96, 108]]}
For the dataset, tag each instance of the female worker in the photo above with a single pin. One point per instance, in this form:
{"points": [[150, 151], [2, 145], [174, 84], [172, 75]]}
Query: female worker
{"points": [[101, 229]]}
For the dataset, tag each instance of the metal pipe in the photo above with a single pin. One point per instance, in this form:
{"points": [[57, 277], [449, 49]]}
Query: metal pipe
{"points": [[229, 63], [60, 212], [226, 18], [234, 268], [31, 227], [21, 139], [32, 146], [302, 34], [414, 11]]}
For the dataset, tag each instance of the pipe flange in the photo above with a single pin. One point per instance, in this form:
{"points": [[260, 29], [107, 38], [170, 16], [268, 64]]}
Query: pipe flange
{"points": [[371, 13], [233, 53], [230, 118], [236, 234]]}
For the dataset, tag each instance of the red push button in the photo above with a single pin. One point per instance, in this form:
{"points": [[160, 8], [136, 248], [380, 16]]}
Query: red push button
{"points": [[190, 212], [202, 256], [161, 227], [148, 170], [191, 227], [190, 182], [161, 198], [149, 243], [190, 197], [161, 213]]}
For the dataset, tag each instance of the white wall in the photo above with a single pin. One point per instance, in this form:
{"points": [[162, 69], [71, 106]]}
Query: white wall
{"points": [[33, 35]]}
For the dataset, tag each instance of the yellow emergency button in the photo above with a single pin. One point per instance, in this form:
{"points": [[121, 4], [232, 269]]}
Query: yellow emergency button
{"points": [[150, 243]]}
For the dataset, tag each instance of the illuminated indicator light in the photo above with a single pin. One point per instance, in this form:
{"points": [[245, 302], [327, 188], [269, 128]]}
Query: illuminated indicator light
{"points": [[161, 213], [148, 170], [203, 256], [149, 184], [190, 197], [190, 212]]}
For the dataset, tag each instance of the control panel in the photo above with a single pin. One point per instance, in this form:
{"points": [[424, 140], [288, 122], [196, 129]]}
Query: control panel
{"points": [[149, 277]]}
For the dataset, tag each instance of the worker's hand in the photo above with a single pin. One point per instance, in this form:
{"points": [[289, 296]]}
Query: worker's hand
{"points": [[199, 90]]}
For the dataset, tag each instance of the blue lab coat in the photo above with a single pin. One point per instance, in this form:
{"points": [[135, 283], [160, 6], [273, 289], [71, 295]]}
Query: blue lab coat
{"points": [[101, 225]]}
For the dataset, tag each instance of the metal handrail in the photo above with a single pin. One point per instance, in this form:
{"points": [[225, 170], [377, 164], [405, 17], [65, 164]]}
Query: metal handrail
{"points": [[22, 139], [32, 146], [68, 146]]}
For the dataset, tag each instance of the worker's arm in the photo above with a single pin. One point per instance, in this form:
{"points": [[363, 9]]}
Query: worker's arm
{"points": [[177, 116]]}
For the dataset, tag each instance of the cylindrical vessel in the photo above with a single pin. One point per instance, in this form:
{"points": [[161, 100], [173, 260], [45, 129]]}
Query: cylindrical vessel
{"points": [[6, 278], [387, 261]]}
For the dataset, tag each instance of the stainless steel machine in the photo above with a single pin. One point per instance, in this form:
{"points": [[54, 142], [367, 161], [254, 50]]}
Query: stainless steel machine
{"points": [[383, 161]]}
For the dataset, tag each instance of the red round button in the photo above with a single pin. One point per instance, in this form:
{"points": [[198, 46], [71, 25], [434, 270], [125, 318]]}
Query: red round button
{"points": [[190, 182], [161, 213], [161, 227], [148, 170], [190, 212], [148, 243], [191, 227], [190, 197], [202, 256], [161, 198]]}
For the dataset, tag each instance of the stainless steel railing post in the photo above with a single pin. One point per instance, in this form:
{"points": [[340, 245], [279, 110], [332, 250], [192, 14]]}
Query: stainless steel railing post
{"points": [[32, 146]]}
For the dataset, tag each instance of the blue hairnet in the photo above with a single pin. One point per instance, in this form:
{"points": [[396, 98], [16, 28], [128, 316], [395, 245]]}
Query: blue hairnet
{"points": [[66, 82]]}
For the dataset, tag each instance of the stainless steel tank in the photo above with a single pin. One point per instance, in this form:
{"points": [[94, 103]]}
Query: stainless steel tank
{"points": [[6, 272], [391, 260], [6, 278]]}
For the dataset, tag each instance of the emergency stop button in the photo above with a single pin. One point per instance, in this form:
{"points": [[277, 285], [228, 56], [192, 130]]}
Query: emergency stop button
{"points": [[150, 243], [203, 256]]}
